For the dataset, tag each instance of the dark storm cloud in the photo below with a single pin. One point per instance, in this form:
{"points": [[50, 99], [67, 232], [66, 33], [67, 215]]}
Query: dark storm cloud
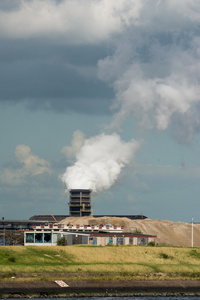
{"points": [[54, 77], [51, 50], [49, 53]]}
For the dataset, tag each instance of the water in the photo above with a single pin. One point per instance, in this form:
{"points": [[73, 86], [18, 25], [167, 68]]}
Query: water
{"points": [[117, 298]]}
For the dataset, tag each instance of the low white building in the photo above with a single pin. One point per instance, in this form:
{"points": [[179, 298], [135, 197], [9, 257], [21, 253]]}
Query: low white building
{"points": [[84, 234], [106, 238]]}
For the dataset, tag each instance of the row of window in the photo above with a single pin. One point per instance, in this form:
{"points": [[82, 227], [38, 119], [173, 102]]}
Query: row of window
{"points": [[47, 237], [41, 237], [120, 241]]}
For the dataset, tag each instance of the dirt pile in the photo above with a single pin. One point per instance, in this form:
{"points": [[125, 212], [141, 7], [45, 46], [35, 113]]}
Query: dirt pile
{"points": [[168, 232]]}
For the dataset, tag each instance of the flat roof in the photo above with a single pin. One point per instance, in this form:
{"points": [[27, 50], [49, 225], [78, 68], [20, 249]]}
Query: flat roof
{"points": [[80, 190], [21, 221], [118, 234]]}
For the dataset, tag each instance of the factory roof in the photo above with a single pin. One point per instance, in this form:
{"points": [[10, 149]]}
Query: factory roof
{"points": [[59, 218]]}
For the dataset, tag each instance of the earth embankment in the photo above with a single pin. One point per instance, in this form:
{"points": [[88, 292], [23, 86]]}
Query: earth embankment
{"points": [[167, 232]]}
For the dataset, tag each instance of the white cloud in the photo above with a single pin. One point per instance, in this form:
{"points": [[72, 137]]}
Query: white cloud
{"points": [[77, 142], [93, 21], [77, 21], [31, 165]]}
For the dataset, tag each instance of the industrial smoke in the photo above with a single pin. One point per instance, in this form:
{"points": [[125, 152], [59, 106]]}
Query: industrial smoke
{"points": [[99, 163], [154, 73], [154, 70]]}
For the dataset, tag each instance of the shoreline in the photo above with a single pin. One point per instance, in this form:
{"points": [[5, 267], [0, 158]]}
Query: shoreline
{"points": [[41, 289]]}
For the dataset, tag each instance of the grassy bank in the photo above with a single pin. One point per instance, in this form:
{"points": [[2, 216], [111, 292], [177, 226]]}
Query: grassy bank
{"points": [[98, 263]]}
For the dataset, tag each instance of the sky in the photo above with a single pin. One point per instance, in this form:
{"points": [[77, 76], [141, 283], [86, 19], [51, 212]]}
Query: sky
{"points": [[102, 95]]}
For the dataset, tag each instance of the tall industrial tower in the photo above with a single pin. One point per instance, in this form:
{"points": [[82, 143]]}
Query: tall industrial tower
{"points": [[80, 203]]}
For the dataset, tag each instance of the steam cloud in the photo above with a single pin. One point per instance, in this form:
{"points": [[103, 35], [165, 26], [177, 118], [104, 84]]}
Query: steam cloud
{"points": [[99, 162], [154, 71]]}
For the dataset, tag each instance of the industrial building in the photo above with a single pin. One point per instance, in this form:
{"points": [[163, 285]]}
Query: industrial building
{"points": [[80, 203], [10, 225]]}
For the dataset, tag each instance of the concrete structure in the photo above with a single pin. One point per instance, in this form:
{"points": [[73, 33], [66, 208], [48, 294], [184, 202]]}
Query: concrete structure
{"points": [[80, 203], [10, 225], [47, 235]]}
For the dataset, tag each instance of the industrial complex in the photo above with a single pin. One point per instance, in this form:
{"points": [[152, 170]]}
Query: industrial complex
{"points": [[48, 229]]}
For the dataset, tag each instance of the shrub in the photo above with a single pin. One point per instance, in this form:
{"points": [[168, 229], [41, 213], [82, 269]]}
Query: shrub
{"points": [[11, 259], [62, 242], [151, 244], [138, 230], [165, 256], [195, 253]]}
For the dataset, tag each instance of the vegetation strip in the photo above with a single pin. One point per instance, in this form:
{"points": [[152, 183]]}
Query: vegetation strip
{"points": [[18, 263]]}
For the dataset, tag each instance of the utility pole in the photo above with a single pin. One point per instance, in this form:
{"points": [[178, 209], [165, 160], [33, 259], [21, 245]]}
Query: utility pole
{"points": [[4, 236], [192, 232]]}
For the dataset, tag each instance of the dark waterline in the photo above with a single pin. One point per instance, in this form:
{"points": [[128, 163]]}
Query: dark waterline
{"points": [[117, 298]]}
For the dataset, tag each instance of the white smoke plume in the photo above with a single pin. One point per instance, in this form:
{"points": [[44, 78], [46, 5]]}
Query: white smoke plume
{"points": [[99, 163], [155, 68], [155, 72]]}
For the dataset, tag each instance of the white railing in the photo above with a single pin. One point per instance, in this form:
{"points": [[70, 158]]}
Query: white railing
{"points": [[78, 227]]}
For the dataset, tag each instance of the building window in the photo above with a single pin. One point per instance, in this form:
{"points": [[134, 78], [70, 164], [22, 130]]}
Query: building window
{"points": [[47, 237], [30, 238], [92, 241], [142, 241], [120, 240], [39, 237], [55, 237]]}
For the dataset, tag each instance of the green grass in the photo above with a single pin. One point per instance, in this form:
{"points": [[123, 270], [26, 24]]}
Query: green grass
{"points": [[98, 263]]}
